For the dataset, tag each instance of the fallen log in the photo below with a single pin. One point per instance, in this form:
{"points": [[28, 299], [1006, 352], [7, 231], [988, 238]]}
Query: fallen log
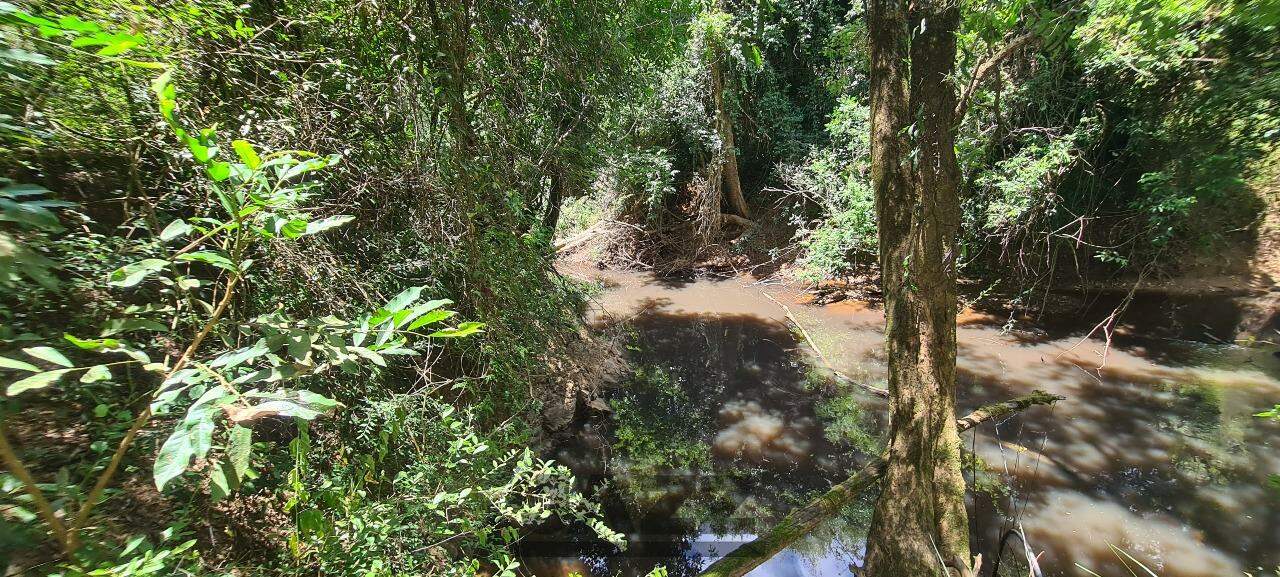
{"points": [[805, 519]]}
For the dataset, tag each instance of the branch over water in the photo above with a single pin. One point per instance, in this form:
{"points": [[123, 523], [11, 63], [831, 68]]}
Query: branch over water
{"points": [[805, 519]]}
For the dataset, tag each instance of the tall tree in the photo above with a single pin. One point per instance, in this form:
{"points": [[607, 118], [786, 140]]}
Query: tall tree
{"points": [[919, 521], [728, 156]]}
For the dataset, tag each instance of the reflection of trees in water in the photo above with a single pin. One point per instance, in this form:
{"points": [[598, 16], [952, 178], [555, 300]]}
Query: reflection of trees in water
{"points": [[1150, 454], [716, 431]]}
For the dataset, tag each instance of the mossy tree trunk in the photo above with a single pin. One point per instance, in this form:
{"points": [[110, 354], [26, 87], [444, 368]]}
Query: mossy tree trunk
{"points": [[919, 521], [728, 156]]}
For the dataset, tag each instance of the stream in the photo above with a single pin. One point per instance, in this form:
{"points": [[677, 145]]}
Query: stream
{"points": [[730, 420]]}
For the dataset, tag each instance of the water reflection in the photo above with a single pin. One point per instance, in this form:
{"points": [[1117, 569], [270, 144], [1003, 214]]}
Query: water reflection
{"points": [[725, 427]]}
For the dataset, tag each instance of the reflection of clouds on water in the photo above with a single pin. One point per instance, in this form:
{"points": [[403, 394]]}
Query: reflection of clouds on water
{"points": [[1071, 527], [760, 436], [709, 547]]}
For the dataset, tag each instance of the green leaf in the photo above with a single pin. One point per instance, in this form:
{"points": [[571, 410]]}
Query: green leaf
{"points": [[20, 55], [132, 274], [96, 373], [239, 450], [309, 165], [300, 404], [7, 363], [215, 258], [418, 311], [192, 438], [36, 381], [246, 153], [220, 483], [175, 229], [219, 171], [429, 318], [202, 153], [237, 357], [118, 47], [288, 228], [324, 224], [49, 354], [404, 299], [92, 344], [368, 354], [117, 326], [29, 215], [75, 24], [461, 330]]}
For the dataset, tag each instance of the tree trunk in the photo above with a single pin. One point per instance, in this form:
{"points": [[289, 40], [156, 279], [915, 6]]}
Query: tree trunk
{"points": [[555, 197], [728, 156], [919, 523]]}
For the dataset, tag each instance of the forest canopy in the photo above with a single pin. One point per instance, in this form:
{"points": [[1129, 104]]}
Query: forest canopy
{"points": [[278, 285]]}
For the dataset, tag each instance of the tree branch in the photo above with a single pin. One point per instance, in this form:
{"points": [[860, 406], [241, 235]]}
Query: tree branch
{"points": [[985, 69], [877, 391], [19, 470], [805, 519]]}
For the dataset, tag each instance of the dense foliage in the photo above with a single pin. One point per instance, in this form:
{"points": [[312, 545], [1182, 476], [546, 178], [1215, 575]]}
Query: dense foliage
{"points": [[276, 283]]}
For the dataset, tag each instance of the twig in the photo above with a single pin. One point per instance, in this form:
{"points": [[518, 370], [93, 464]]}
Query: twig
{"points": [[108, 474], [877, 391], [19, 470]]}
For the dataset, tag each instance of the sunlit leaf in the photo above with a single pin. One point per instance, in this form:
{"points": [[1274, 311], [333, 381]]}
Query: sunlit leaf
{"points": [[239, 450], [49, 354], [404, 299], [20, 55], [219, 171], [327, 223], [92, 344], [462, 330], [215, 258], [96, 373], [36, 381], [175, 229], [247, 154], [132, 274], [237, 357], [7, 363], [192, 438], [430, 318]]}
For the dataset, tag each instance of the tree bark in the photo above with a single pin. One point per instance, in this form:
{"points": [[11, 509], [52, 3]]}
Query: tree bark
{"points": [[919, 523], [555, 197], [728, 151], [801, 521]]}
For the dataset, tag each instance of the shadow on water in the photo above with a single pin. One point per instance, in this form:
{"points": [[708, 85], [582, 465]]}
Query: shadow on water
{"points": [[713, 438], [725, 426]]}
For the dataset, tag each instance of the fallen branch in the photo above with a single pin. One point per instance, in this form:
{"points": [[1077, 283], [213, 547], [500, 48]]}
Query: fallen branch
{"points": [[877, 391], [568, 244], [805, 519]]}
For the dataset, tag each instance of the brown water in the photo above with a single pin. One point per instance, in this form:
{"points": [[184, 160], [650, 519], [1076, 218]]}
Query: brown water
{"points": [[728, 424]]}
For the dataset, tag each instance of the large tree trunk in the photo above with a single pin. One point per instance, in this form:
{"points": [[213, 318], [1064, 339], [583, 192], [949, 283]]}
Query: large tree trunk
{"points": [[920, 515], [728, 152]]}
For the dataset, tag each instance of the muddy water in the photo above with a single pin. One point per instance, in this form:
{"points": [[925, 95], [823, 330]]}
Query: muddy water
{"points": [[727, 424]]}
